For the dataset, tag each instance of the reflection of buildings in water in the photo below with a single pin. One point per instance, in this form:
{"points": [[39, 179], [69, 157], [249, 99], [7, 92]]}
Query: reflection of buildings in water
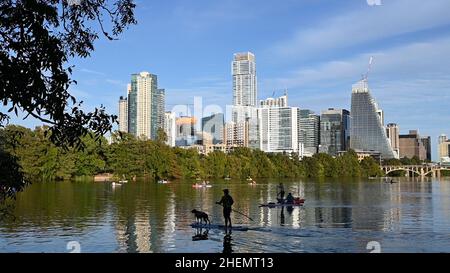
{"points": [[393, 214], [121, 236], [143, 233], [441, 203], [169, 224]]}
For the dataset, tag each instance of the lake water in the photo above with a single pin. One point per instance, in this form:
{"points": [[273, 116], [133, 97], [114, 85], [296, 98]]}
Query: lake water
{"points": [[341, 215]]}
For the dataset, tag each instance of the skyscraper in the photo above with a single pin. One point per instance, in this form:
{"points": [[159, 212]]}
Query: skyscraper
{"points": [[334, 131], [170, 128], [244, 79], [213, 125], [393, 133], [444, 149], [145, 106], [367, 130], [123, 114], [279, 129], [309, 131]]}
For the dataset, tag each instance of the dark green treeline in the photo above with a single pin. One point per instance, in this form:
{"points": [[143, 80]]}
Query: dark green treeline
{"points": [[130, 157]]}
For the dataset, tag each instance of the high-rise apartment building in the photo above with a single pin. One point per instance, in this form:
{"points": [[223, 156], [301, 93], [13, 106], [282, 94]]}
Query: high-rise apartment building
{"points": [[244, 79], [334, 131], [145, 106], [236, 134], [279, 129], [123, 114], [367, 130], [170, 128], [274, 102], [393, 134], [444, 149], [309, 132]]}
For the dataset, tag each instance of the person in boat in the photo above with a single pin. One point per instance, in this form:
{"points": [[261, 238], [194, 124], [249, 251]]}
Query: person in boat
{"points": [[227, 203], [280, 192], [289, 199]]}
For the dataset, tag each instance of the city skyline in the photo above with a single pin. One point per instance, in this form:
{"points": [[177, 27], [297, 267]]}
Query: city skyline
{"points": [[318, 75]]}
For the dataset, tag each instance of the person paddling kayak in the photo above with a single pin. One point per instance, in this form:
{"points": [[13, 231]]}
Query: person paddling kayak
{"points": [[227, 202]]}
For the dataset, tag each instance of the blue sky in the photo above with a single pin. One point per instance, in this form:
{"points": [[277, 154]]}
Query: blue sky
{"points": [[315, 48]]}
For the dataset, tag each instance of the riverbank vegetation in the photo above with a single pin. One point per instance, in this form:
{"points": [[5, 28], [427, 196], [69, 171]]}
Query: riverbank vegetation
{"points": [[127, 156]]}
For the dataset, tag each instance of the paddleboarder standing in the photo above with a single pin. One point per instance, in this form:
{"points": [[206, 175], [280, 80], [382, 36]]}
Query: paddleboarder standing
{"points": [[280, 193], [227, 202]]}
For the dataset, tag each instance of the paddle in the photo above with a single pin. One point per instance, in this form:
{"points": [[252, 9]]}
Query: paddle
{"points": [[238, 213]]}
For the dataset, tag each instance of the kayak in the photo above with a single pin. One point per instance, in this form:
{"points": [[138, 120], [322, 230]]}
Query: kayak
{"points": [[215, 226], [275, 205]]}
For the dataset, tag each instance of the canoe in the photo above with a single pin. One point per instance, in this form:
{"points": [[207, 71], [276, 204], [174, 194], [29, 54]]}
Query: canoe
{"points": [[215, 226]]}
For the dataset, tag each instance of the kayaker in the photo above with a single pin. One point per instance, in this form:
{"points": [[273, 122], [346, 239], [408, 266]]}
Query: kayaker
{"points": [[227, 202], [290, 199], [280, 190]]}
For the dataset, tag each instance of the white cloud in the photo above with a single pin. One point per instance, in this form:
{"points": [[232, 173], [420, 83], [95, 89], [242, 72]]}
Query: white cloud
{"points": [[365, 25]]}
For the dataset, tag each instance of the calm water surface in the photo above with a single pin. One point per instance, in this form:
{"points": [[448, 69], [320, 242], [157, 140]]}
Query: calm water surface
{"points": [[339, 216]]}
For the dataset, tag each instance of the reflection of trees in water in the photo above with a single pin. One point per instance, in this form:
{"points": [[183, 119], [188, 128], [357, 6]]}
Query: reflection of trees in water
{"points": [[72, 205]]}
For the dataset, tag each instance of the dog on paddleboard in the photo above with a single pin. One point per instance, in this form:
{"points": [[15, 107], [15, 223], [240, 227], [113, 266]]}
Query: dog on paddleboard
{"points": [[201, 216]]}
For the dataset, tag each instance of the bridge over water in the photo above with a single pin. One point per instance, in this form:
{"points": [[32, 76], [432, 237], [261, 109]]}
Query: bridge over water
{"points": [[419, 170]]}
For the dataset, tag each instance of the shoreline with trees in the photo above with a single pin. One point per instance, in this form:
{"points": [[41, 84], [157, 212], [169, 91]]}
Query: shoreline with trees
{"points": [[129, 157]]}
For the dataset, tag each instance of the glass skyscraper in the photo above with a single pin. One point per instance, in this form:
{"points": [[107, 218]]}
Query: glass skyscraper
{"points": [[146, 105], [367, 130], [334, 131], [244, 79]]}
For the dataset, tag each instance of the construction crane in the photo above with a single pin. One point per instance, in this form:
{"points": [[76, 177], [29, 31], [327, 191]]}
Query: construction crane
{"points": [[366, 76]]}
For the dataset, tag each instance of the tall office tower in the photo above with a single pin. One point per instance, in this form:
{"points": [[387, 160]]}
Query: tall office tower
{"points": [[185, 135], [158, 111], [367, 130], [309, 132], [279, 129], [334, 131], [170, 128], [213, 126], [426, 141], [274, 102], [393, 133], [444, 149], [244, 79], [145, 106], [123, 114], [236, 134], [411, 145]]}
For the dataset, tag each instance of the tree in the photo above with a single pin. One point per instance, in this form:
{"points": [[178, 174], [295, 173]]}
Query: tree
{"points": [[37, 39]]}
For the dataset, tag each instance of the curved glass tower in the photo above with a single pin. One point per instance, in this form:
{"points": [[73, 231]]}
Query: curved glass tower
{"points": [[367, 128]]}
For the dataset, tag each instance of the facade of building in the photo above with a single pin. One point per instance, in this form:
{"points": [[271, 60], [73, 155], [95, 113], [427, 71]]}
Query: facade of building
{"points": [[334, 131], [145, 106], [185, 131], [236, 134], [411, 145], [444, 149], [427, 144], [170, 128], [244, 79], [393, 134], [214, 126], [308, 132], [367, 130], [123, 115], [158, 111], [279, 129], [274, 102]]}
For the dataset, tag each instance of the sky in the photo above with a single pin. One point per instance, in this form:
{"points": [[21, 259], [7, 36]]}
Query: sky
{"points": [[316, 49]]}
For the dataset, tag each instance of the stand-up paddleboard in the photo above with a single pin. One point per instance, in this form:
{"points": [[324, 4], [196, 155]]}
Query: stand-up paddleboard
{"points": [[215, 226]]}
